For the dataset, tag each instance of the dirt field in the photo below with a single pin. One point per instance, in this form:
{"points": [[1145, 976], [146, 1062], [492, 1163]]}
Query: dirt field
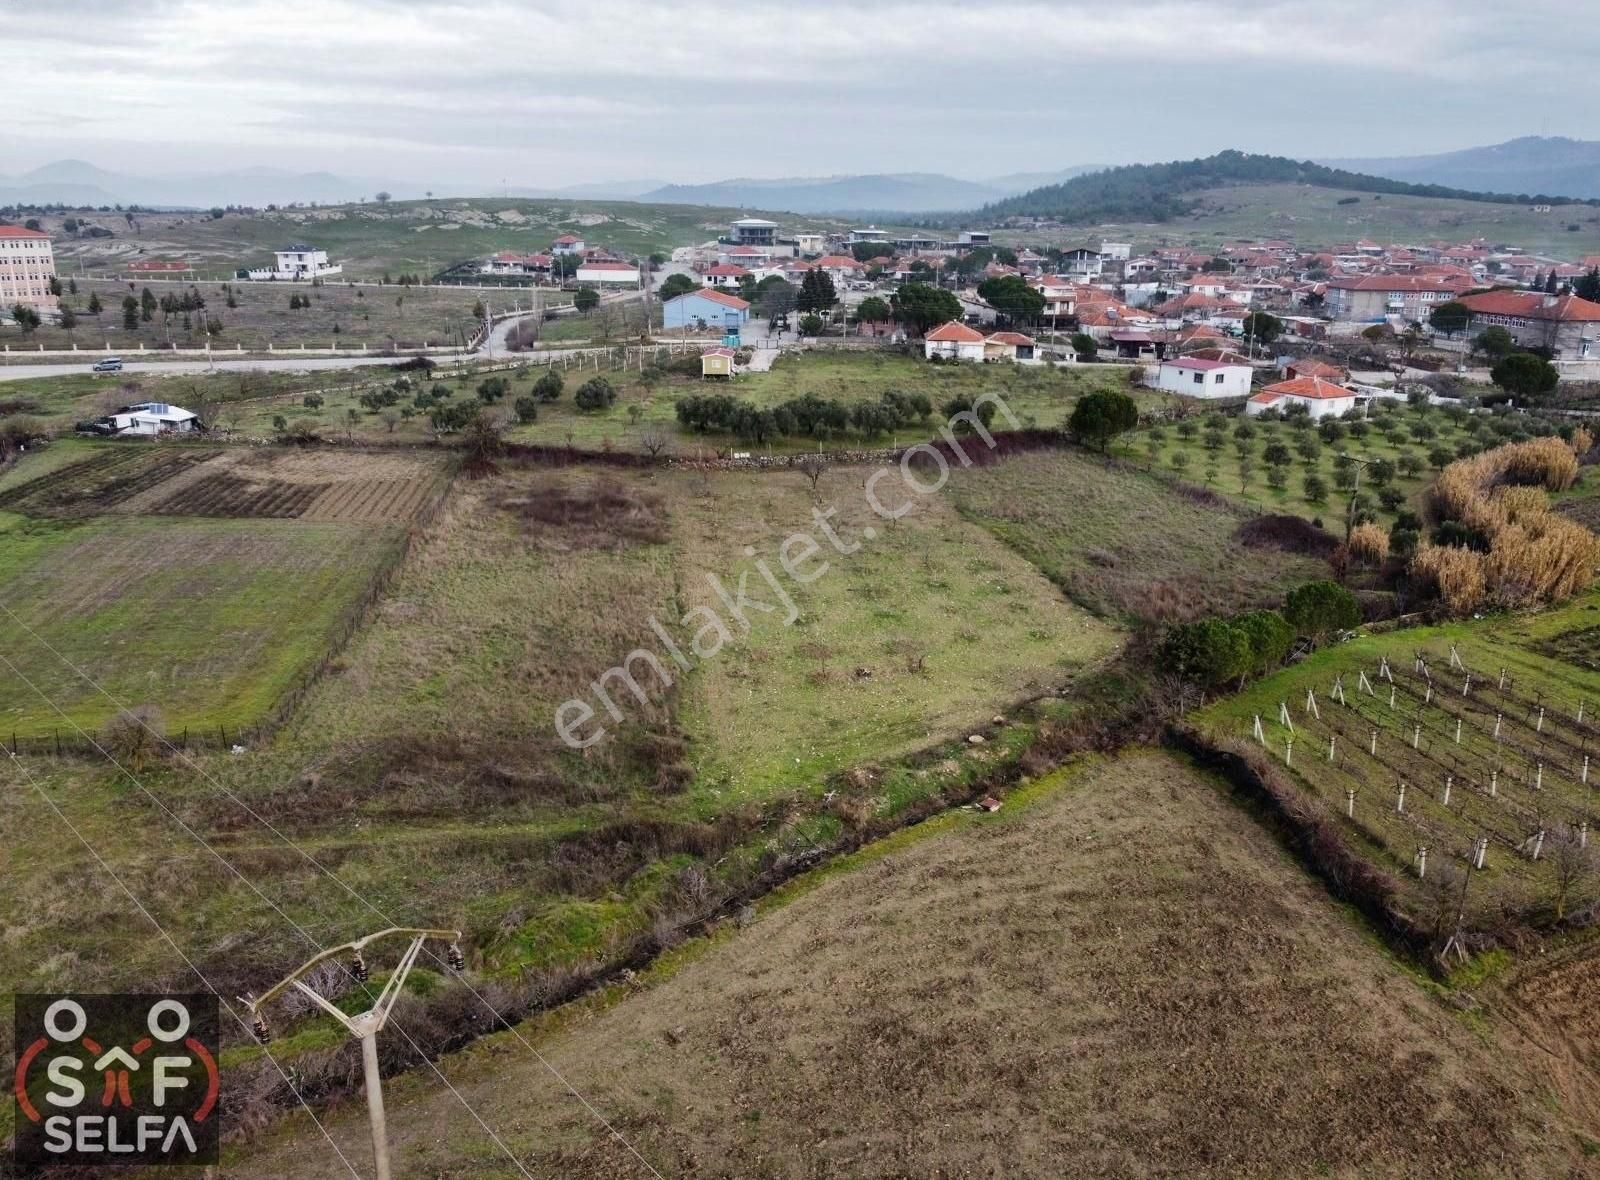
{"points": [[152, 479], [1124, 978]]}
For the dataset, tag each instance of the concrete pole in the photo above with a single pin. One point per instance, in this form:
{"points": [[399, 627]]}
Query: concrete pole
{"points": [[1586, 770], [1422, 862], [1494, 782], [1373, 746], [1416, 735], [1449, 781], [1330, 747], [1458, 731], [1539, 728], [380, 1134], [1400, 800], [1497, 717], [1350, 802], [1538, 777]]}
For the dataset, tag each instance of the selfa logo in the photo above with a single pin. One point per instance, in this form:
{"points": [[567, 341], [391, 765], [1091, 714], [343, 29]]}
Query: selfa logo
{"points": [[116, 1079]]}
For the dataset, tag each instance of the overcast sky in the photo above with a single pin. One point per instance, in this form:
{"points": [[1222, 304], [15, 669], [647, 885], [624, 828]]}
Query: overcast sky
{"points": [[551, 92]]}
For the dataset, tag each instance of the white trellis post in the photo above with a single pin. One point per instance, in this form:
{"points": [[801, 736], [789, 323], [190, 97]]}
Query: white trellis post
{"points": [[1497, 718], [1480, 849], [1422, 861], [1538, 777], [1494, 783], [1311, 704], [1338, 690], [1416, 735], [1586, 770], [1428, 696], [1466, 684], [1350, 802], [1400, 800], [1283, 716], [1331, 740], [1580, 712], [1372, 747], [1362, 683], [1383, 668], [1288, 751], [1391, 696], [1449, 781], [1458, 731], [1538, 844], [1500, 686], [1539, 725], [1455, 658], [1583, 834]]}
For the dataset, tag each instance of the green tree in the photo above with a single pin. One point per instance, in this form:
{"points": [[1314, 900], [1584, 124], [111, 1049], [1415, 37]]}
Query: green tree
{"points": [[1450, 317], [1270, 638], [1588, 286], [147, 305], [527, 409], [775, 296], [812, 325], [1207, 652], [595, 394], [817, 295], [1320, 609], [130, 313], [548, 387], [920, 306], [1011, 296], [1262, 326], [1101, 416], [68, 320], [1085, 345], [678, 284], [1314, 487], [874, 310], [26, 317], [1495, 343], [586, 299], [1522, 374], [95, 306]]}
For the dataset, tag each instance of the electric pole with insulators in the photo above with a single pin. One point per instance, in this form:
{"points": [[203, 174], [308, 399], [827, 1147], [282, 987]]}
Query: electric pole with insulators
{"points": [[363, 1026]]}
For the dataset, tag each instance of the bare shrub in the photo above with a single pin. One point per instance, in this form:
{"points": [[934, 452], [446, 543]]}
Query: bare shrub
{"points": [[134, 736], [600, 513], [1291, 534]]}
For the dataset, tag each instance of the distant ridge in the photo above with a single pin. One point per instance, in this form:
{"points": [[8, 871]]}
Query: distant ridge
{"points": [[1533, 163], [1161, 192]]}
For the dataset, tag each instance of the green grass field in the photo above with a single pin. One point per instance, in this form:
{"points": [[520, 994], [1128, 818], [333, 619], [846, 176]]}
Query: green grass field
{"points": [[925, 630], [1124, 543], [210, 621]]}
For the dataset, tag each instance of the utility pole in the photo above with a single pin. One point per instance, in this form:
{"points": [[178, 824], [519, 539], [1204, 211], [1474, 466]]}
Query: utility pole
{"points": [[1355, 490], [364, 1026]]}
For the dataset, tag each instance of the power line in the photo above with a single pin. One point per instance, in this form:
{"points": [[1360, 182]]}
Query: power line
{"points": [[311, 860], [149, 917], [248, 884]]}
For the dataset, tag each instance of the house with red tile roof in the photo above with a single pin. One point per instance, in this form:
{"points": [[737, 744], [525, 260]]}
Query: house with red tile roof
{"points": [[567, 244], [607, 273], [1008, 346], [724, 274], [1565, 324], [1322, 399], [953, 340], [1310, 366]]}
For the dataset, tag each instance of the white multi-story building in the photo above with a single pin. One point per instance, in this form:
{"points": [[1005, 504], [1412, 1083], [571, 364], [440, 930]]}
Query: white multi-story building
{"points": [[27, 264], [298, 263]]}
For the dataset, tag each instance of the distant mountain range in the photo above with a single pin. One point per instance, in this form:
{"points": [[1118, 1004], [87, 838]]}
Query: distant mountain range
{"points": [[74, 182], [899, 192], [1534, 164]]}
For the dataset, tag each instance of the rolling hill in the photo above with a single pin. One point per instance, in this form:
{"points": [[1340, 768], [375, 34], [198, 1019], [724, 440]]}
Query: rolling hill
{"points": [[1531, 164], [908, 192], [1163, 192]]}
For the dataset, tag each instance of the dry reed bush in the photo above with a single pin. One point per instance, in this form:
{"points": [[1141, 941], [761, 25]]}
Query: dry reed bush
{"points": [[1368, 543], [1534, 555], [1582, 441]]}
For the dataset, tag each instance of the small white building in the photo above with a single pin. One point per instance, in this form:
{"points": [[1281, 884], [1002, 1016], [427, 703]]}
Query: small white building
{"points": [[1199, 377], [954, 341], [870, 233], [297, 263], [608, 273], [1322, 399], [567, 244], [152, 418]]}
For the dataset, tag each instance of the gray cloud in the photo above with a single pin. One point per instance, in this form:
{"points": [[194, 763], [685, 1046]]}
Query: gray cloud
{"points": [[561, 89]]}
